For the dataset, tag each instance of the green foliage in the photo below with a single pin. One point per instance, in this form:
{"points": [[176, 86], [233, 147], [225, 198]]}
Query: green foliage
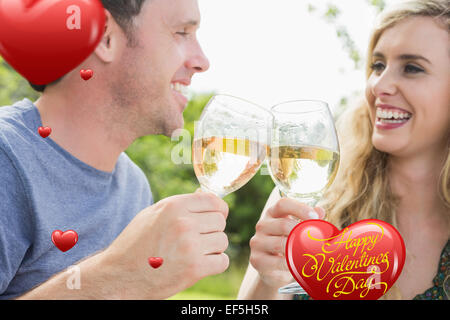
{"points": [[379, 5], [223, 286], [332, 13], [311, 8], [12, 86], [331, 16]]}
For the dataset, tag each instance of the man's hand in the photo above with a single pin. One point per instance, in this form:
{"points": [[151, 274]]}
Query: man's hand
{"points": [[186, 231]]}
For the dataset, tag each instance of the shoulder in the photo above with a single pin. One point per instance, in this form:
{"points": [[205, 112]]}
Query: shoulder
{"points": [[18, 113], [127, 165], [19, 139], [15, 141], [134, 175], [18, 124], [14, 199]]}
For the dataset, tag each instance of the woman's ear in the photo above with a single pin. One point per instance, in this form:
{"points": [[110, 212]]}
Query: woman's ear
{"points": [[108, 47]]}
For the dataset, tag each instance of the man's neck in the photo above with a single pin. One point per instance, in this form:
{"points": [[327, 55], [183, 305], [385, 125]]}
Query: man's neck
{"points": [[86, 126]]}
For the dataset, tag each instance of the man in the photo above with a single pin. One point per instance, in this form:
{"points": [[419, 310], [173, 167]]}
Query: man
{"points": [[80, 178]]}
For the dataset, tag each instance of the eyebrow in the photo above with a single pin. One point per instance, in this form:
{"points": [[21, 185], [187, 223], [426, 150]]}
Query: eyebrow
{"points": [[193, 23], [377, 54]]}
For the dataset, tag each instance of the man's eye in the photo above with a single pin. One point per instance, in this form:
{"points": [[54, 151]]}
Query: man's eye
{"points": [[182, 33], [412, 69]]}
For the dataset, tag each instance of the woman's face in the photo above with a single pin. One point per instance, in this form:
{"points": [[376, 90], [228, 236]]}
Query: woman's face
{"points": [[408, 90]]}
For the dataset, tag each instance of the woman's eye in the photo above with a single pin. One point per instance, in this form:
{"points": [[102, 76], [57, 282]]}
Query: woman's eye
{"points": [[377, 67], [412, 69]]}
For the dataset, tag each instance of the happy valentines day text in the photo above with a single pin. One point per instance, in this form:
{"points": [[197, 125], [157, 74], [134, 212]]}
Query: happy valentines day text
{"points": [[354, 266]]}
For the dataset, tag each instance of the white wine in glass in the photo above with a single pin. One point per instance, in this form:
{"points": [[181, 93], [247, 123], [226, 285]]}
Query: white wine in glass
{"points": [[230, 143], [224, 165], [304, 154], [303, 172]]}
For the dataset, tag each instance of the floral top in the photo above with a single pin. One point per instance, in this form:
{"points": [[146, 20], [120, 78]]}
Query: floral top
{"points": [[441, 288]]}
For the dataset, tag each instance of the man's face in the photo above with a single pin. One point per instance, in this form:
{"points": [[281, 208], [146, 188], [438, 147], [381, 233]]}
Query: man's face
{"points": [[148, 79]]}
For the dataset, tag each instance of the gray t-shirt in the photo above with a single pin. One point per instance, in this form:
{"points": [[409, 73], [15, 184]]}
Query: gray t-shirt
{"points": [[44, 188]]}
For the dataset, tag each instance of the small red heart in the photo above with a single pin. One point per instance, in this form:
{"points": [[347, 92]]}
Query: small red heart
{"points": [[155, 262], [360, 262], [64, 241], [44, 132], [86, 74]]}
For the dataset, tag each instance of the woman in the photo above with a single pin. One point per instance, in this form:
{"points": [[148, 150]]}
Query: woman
{"points": [[395, 160]]}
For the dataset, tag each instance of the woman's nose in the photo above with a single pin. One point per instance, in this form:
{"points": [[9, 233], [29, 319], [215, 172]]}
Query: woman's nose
{"points": [[384, 84]]}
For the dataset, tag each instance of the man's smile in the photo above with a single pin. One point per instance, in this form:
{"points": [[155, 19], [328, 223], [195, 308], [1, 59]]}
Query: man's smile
{"points": [[180, 91]]}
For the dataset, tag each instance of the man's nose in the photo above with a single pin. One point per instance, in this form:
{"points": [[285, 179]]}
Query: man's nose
{"points": [[198, 60]]}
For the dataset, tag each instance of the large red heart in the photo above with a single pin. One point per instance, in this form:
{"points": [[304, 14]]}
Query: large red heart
{"points": [[64, 241], [360, 262], [45, 39]]}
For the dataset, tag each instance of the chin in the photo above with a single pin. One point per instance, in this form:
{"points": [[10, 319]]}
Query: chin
{"points": [[172, 126], [390, 146]]}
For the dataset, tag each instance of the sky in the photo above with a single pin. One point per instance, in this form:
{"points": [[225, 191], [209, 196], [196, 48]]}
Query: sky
{"points": [[270, 51]]}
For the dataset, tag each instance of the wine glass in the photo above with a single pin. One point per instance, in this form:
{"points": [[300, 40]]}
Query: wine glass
{"points": [[304, 154], [231, 142]]}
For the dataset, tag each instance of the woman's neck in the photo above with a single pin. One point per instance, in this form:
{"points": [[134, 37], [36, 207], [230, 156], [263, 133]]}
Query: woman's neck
{"points": [[416, 182]]}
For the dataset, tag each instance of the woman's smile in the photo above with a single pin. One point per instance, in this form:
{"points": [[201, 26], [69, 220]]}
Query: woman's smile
{"points": [[389, 117]]}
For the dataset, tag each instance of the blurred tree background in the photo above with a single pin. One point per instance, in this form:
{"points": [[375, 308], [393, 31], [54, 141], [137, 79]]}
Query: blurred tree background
{"points": [[153, 155]]}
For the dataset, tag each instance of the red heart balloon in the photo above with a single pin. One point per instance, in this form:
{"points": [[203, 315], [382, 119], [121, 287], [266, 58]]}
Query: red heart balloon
{"points": [[64, 241], [361, 262], [45, 39], [155, 262]]}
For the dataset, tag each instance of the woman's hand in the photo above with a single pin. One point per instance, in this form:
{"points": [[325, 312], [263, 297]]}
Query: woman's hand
{"points": [[267, 246]]}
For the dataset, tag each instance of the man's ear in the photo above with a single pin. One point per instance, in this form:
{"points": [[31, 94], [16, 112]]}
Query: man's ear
{"points": [[108, 47]]}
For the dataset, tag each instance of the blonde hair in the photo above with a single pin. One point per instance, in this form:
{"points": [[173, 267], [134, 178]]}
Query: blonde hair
{"points": [[361, 189]]}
